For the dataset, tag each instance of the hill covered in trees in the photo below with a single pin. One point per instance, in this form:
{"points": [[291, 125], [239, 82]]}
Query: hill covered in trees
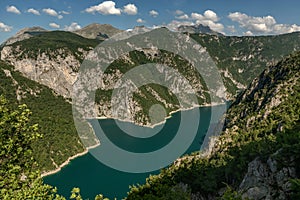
{"points": [[260, 137], [257, 154]]}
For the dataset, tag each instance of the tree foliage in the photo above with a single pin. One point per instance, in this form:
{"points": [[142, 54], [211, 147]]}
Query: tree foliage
{"points": [[264, 122], [18, 178]]}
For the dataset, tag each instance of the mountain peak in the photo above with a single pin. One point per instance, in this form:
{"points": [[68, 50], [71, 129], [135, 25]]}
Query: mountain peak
{"points": [[100, 31], [200, 28], [23, 34]]}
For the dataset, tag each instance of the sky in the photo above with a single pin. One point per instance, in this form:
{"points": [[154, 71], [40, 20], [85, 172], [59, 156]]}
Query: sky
{"points": [[230, 17]]}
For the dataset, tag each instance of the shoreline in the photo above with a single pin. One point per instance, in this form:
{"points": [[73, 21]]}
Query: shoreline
{"points": [[167, 117], [48, 173], [44, 174]]}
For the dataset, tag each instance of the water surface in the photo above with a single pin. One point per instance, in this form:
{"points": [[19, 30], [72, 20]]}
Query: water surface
{"points": [[93, 177]]}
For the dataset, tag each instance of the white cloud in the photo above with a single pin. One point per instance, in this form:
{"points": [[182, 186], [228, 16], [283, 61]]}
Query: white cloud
{"points": [[179, 12], [184, 16], [211, 15], [208, 15], [261, 25], [231, 28], [208, 18], [248, 33], [13, 9], [153, 13], [72, 27], [105, 8], [4, 27], [139, 20], [173, 25], [130, 9], [64, 12], [33, 11], [54, 25], [52, 12]]}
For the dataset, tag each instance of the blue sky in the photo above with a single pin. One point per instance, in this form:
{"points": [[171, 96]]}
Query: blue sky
{"points": [[231, 17]]}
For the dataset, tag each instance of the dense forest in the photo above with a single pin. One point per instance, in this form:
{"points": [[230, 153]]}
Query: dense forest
{"points": [[261, 127], [257, 155], [51, 112]]}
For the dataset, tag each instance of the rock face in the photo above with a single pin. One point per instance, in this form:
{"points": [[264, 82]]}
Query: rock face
{"points": [[24, 34], [52, 70], [198, 29], [261, 108], [57, 67], [120, 96], [51, 112], [100, 31], [267, 180]]}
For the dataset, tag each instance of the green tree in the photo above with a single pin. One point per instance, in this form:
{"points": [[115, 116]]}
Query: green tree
{"points": [[18, 176]]}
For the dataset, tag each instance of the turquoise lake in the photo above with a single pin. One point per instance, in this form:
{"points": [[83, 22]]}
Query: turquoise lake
{"points": [[93, 177]]}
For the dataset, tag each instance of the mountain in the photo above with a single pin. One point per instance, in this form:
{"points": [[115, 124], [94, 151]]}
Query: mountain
{"points": [[98, 31], [24, 34], [51, 112], [241, 59], [257, 154], [197, 29], [53, 59]]}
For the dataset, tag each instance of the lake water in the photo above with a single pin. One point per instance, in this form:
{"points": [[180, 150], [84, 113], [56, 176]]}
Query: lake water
{"points": [[93, 177]]}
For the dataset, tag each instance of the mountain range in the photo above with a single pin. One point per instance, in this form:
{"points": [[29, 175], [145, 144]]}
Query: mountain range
{"points": [[257, 152], [198, 29]]}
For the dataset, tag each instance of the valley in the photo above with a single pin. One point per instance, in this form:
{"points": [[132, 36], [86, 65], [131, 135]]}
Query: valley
{"points": [[256, 155]]}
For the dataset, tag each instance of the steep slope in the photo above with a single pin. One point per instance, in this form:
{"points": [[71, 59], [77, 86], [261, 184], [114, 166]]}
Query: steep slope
{"points": [[50, 58], [56, 60], [53, 59], [256, 155], [24, 34], [51, 112], [241, 59], [98, 31], [152, 94]]}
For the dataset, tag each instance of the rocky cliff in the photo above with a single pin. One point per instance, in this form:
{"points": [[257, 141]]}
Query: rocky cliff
{"points": [[257, 154], [99, 31], [52, 70], [50, 58], [24, 34], [197, 29], [54, 58], [50, 111]]}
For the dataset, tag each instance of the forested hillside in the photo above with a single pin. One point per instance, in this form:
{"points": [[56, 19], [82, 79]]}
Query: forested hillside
{"points": [[44, 67], [241, 59], [256, 156], [51, 112]]}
